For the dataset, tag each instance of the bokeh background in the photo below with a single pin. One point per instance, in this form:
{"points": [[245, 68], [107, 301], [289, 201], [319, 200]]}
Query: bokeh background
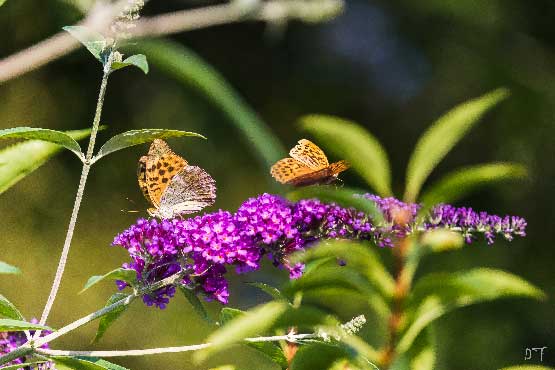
{"points": [[393, 66]]}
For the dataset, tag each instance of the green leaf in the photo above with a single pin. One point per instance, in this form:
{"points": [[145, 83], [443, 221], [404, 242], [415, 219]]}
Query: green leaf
{"points": [[196, 303], [319, 356], [92, 40], [137, 60], [253, 322], [459, 183], [190, 70], [107, 320], [127, 275], [2, 2], [422, 354], [436, 294], [51, 136], [345, 197], [21, 159], [8, 269], [442, 136], [520, 367], [136, 137], [26, 365], [84, 363], [20, 325], [8, 310], [227, 314], [350, 141], [359, 256], [270, 290]]}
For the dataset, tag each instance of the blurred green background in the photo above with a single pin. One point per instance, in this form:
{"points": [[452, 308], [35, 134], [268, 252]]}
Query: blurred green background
{"points": [[393, 66]]}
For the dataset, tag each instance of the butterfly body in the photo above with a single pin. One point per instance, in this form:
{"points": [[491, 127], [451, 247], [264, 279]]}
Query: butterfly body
{"points": [[308, 165], [171, 184]]}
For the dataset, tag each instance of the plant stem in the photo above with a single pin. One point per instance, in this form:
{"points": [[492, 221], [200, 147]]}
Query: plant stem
{"points": [[78, 197], [155, 351]]}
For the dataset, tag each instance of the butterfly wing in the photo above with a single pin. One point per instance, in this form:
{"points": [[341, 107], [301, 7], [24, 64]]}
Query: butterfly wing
{"points": [[141, 176], [287, 169], [309, 154], [189, 191], [162, 165], [337, 167]]}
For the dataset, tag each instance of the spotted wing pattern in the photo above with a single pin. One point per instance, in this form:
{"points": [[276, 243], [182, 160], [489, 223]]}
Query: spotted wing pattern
{"points": [[287, 169], [141, 176], [309, 154], [189, 191], [162, 164], [337, 167]]}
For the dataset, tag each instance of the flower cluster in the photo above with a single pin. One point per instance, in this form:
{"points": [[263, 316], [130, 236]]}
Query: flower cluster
{"points": [[201, 249], [10, 340]]}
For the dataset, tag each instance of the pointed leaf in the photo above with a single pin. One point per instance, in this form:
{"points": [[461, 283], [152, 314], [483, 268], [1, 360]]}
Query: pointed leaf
{"points": [[359, 256], [350, 141], [21, 159], [20, 325], [270, 290], [84, 363], [253, 322], [193, 72], [136, 137], [127, 275], [436, 294], [422, 354], [52, 136], [8, 269], [92, 40], [459, 183], [8, 310], [442, 136], [344, 196], [107, 320], [137, 60], [196, 304]]}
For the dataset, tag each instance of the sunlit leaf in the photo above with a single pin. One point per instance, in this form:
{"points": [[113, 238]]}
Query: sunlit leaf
{"points": [[8, 269], [196, 304], [84, 363], [459, 183], [442, 136], [137, 60], [356, 255], [350, 141], [21, 159], [436, 294], [51, 136], [254, 322], [107, 320], [343, 196], [136, 137], [127, 275], [8, 310], [20, 325], [190, 70], [2, 2], [270, 290], [421, 355], [92, 40]]}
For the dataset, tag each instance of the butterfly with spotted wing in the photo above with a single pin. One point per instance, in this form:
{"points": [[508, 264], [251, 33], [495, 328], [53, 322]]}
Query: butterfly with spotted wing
{"points": [[171, 185], [308, 165]]}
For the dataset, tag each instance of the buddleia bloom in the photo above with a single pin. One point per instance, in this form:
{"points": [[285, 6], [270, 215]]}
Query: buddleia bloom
{"points": [[11, 340], [204, 248]]}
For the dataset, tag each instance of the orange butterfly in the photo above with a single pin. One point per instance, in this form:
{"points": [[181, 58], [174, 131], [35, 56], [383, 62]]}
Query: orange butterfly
{"points": [[308, 165], [171, 185]]}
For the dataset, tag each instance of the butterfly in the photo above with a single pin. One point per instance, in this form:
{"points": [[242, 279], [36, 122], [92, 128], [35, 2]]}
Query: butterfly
{"points": [[171, 185], [308, 165]]}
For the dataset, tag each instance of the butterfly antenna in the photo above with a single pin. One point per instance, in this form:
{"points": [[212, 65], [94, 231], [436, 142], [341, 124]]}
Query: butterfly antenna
{"points": [[130, 210]]}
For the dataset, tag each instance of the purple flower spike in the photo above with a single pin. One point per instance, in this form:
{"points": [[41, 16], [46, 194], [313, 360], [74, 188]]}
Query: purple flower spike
{"points": [[10, 340], [203, 247]]}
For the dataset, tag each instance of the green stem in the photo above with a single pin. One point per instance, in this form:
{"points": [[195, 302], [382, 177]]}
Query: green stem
{"points": [[78, 197]]}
